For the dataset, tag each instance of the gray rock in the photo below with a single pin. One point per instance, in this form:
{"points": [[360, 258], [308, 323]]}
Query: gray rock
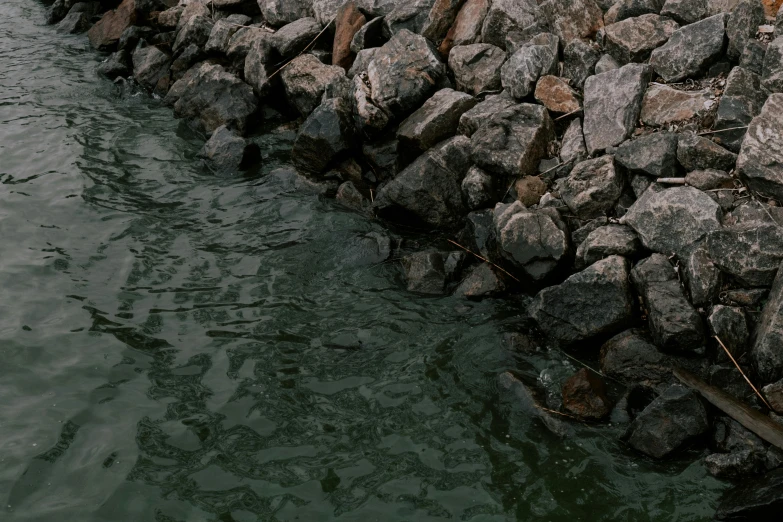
{"points": [[669, 423], [57, 11], [370, 119], [663, 105], [291, 39], [482, 281], [227, 153], [700, 275], [737, 464], [633, 39], [305, 81], [608, 241], [624, 9], [630, 357], [512, 141], [522, 70], [742, 26], [361, 62], [773, 393], [477, 67], [382, 158], [751, 253], [478, 189], [605, 64], [403, 73], [209, 97], [410, 16], [150, 64], [691, 212], [753, 55], [729, 324], [674, 324], [709, 179], [281, 12], [686, 11], [221, 35], [479, 229], [326, 134], [131, 37], [74, 23], [195, 31], [471, 120], [579, 61], [592, 303], [186, 59], [258, 68], [325, 10], [579, 235], [760, 162], [652, 155], [118, 64], [742, 101], [429, 191], [511, 16], [572, 20], [572, 147], [690, 50], [247, 39], [612, 104], [593, 187], [369, 36], [425, 273], [434, 121], [751, 500], [699, 153]]}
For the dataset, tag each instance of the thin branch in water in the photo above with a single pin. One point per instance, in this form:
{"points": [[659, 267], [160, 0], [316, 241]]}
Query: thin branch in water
{"points": [[741, 372], [485, 260]]}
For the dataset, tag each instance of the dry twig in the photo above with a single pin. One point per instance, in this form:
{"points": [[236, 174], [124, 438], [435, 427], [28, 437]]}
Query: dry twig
{"points": [[485, 260], [741, 372]]}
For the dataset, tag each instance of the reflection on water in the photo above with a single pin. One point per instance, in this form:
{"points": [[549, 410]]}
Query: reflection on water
{"points": [[180, 347]]}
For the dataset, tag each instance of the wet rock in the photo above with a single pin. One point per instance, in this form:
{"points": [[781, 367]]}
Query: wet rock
{"points": [[612, 102], [186, 59], [766, 352], [689, 211], [532, 242], [579, 60], [478, 189], [556, 95], [434, 121], [529, 190], [592, 303], [466, 29], [523, 403], [425, 272], [210, 97], [74, 23], [291, 39], [512, 141], [510, 16], [759, 162], [753, 499], [429, 190], [349, 196], [305, 81], [573, 19], [258, 68], [471, 120], [633, 39], [522, 70], [669, 423], [482, 281], [663, 105], [584, 395], [382, 158], [281, 12], [572, 148], [702, 278], [403, 73], [652, 155], [57, 11], [150, 64], [630, 357], [690, 50], [348, 21], [729, 324], [752, 254], [227, 153], [742, 25], [607, 241], [699, 153], [593, 187], [105, 34], [370, 35], [195, 31], [686, 11], [476, 67], [478, 230], [742, 101], [117, 65], [326, 134]]}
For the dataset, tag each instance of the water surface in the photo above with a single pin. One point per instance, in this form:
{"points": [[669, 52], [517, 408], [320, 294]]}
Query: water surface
{"points": [[181, 347]]}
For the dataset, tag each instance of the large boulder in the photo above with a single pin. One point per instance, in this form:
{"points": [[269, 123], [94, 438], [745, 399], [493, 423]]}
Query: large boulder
{"points": [[291, 39], [506, 17], [633, 39], [473, 119], [105, 34], [531, 61], [477, 67], [742, 25], [689, 211], [534, 242], [466, 29], [573, 19], [690, 49], [150, 64], [760, 162], [209, 97], [305, 80], [612, 104], [222, 32], [429, 191], [593, 187], [326, 134], [281, 12], [592, 303], [512, 141]]}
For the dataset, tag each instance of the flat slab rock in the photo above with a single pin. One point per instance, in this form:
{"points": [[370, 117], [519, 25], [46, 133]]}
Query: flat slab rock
{"points": [[663, 105]]}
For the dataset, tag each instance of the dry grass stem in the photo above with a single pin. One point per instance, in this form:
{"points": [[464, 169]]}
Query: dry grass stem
{"points": [[741, 372], [485, 260]]}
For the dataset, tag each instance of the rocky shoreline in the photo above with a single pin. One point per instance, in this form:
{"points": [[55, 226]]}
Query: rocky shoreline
{"points": [[616, 166]]}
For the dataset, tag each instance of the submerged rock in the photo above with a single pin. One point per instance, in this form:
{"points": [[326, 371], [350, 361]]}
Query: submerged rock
{"points": [[227, 153], [482, 281], [584, 395], [753, 500]]}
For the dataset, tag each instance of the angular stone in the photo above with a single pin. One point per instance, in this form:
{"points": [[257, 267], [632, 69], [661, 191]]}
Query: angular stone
{"points": [[752, 57], [195, 31], [482, 281], [742, 101], [773, 393], [435, 121], [105, 34], [729, 324], [605, 64], [633, 39], [150, 64], [612, 104], [512, 141], [593, 188], [579, 60], [573, 19], [429, 191], [369, 36], [409, 16], [751, 253], [325, 10], [258, 68], [291, 39], [305, 81], [760, 162], [702, 278], [709, 179], [470, 122], [466, 29], [117, 65], [594, 302], [742, 25], [670, 422], [370, 119], [281, 12], [169, 19], [556, 95], [220, 35], [674, 323], [699, 153], [690, 50], [478, 189], [510, 16], [652, 155], [608, 241], [440, 19], [74, 23], [57, 11], [246, 39], [326, 134], [361, 62], [663, 105], [624, 9], [572, 148], [754, 499], [425, 272], [686, 11], [477, 67], [348, 21], [690, 212], [227, 153], [630, 357], [584, 395]]}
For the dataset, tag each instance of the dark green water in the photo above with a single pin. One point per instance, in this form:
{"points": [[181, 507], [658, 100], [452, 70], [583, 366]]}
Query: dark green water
{"points": [[177, 347]]}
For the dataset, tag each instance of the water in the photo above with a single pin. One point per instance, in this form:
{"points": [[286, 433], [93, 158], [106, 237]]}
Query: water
{"points": [[180, 347]]}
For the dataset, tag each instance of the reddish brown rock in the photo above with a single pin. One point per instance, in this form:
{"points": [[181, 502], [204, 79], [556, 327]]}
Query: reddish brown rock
{"points": [[466, 28], [573, 19], [771, 7], [106, 33], [529, 190], [663, 105], [347, 23], [440, 19], [556, 95], [584, 395]]}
